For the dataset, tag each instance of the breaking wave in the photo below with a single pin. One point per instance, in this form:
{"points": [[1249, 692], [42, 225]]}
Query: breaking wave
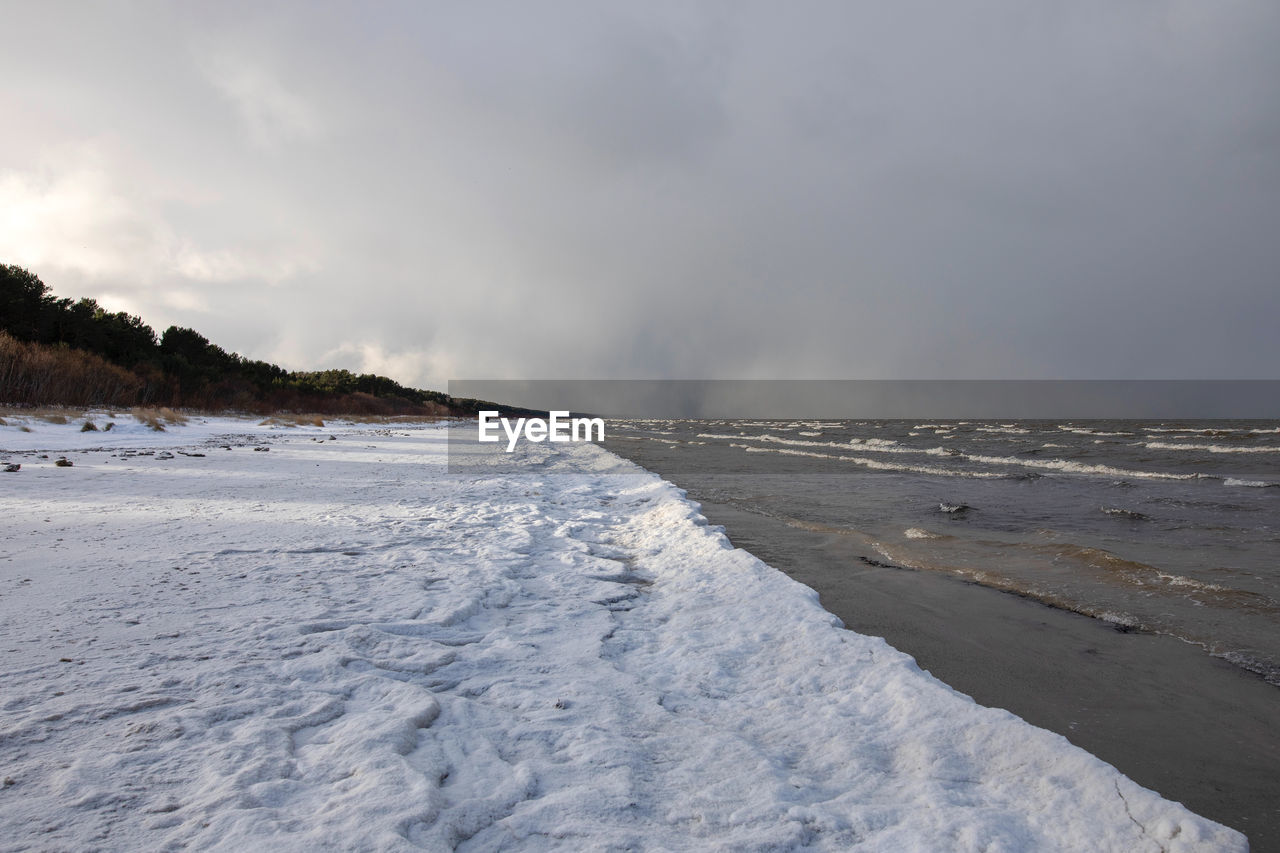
{"points": [[874, 464], [877, 445], [1125, 513], [1254, 484], [1209, 448]]}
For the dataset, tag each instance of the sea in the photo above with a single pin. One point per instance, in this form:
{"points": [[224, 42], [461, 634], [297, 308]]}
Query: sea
{"points": [[1169, 528]]}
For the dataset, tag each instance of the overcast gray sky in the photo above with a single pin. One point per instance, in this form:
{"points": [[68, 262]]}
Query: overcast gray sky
{"points": [[1022, 189]]}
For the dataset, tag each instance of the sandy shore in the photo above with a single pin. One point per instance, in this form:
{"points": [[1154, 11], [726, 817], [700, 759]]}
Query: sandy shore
{"points": [[1191, 727]]}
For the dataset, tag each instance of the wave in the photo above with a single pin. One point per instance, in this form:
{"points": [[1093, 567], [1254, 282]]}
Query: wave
{"points": [[872, 442], [1104, 566], [1203, 431], [952, 508], [1069, 467], [1249, 661], [1003, 430], [1083, 431], [919, 550], [1125, 513], [873, 445], [1209, 448], [875, 464], [879, 445], [1255, 484]]}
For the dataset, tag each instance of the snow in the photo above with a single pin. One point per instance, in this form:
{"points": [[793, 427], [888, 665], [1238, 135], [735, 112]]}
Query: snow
{"points": [[340, 645]]}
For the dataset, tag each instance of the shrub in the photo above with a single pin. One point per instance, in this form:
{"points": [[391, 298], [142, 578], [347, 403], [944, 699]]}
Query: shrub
{"points": [[150, 417], [36, 374]]}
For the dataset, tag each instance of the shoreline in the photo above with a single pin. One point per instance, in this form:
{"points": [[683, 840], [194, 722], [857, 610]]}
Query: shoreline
{"points": [[1152, 706], [227, 632]]}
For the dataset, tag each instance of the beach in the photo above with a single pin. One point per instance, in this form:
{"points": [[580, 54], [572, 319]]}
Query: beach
{"points": [[1199, 728], [234, 635], [1196, 729]]}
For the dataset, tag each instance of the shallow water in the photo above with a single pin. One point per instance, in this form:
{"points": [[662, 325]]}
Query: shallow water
{"points": [[1167, 527]]}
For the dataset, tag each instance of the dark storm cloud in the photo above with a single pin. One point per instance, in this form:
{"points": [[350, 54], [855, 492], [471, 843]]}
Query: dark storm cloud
{"points": [[982, 399], [1004, 190]]}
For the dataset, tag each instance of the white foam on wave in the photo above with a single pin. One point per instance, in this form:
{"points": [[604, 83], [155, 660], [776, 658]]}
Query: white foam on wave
{"points": [[1198, 430], [1181, 580], [1068, 467], [885, 446], [1208, 448], [874, 464], [872, 442], [919, 533], [1083, 431], [1254, 484], [1003, 430], [1121, 512], [1123, 620], [873, 445]]}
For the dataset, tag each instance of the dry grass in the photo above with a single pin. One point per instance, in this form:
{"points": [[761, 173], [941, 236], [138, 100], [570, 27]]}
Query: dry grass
{"points": [[156, 419], [35, 374], [393, 419], [88, 426], [45, 413], [292, 421]]}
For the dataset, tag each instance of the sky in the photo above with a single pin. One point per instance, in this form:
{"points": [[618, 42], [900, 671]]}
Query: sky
{"points": [[846, 190]]}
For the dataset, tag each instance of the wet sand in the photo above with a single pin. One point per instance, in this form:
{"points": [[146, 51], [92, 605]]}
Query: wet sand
{"points": [[1172, 718]]}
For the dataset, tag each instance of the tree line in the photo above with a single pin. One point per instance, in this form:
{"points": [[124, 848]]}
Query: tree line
{"points": [[61, 351]]}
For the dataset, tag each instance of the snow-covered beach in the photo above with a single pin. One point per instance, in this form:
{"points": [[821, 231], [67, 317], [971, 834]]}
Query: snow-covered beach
{"points": [[336, 644]]}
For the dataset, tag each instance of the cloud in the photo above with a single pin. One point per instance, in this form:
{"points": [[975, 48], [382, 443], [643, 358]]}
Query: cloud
{"points": [[273, 114], [82, 210], [664, 190], [412, 365]]}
